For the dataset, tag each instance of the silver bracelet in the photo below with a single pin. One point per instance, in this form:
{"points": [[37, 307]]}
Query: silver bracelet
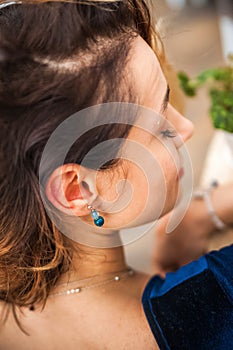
{"points": [[205, 195]]}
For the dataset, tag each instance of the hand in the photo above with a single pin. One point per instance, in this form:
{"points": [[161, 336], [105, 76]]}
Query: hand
{"points": [[191, 238]]}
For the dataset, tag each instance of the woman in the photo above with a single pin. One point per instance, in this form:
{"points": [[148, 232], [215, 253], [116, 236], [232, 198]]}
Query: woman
{"points": [[59, 284]]}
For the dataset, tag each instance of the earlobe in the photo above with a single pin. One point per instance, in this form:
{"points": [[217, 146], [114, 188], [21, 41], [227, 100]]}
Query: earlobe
{"points": [[69, 191]]}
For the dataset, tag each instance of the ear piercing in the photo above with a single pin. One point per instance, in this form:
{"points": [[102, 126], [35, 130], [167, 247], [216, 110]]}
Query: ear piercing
{"points": [[98, 220]]}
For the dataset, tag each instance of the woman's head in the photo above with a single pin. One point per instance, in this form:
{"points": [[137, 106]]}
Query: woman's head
{"points": [[143, 185], [55, 60]]}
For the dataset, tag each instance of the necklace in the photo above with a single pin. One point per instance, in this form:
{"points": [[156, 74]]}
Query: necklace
{"points": [[81, 286], [118, 276]]}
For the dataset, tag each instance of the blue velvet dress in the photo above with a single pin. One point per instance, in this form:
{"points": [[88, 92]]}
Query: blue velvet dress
{"points": [[192, 309]]}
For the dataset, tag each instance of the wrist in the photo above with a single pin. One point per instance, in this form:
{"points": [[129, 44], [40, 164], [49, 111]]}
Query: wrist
{"points": [[214, 210], [222, 199]]}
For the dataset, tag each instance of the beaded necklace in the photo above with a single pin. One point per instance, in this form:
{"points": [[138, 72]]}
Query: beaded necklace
{"points": [[117, 276], [78, 289]]}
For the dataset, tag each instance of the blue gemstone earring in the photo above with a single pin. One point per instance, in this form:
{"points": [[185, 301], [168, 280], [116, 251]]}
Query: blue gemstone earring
{"points": [[98, 220]]}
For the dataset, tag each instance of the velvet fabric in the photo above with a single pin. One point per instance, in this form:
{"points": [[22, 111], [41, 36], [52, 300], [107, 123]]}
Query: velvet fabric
{"points": [[192, 308]]}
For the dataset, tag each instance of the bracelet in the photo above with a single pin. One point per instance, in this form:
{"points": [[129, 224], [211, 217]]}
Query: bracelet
{"points": [[205, 195]]}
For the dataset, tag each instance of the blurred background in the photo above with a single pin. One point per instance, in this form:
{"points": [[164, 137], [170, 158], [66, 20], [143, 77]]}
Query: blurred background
{"points": [[198, 34]]}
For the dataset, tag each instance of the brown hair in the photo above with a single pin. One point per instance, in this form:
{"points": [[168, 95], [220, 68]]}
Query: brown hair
{"points": [[34, 99]]}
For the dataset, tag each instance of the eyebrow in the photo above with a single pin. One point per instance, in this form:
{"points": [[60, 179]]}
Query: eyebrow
{"points": [[165, 100]]}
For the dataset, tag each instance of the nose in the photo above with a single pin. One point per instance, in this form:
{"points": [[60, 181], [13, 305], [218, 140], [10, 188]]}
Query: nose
{"points": [[182, 125]]}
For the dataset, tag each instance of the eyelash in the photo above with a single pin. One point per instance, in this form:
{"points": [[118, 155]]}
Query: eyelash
{"points": [[169, 133]]}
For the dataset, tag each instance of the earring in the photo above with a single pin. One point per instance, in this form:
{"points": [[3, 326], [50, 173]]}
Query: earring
{"points": [[98, 220]]}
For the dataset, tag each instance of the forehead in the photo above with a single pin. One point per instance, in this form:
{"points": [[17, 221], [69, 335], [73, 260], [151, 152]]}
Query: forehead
{"points": [[149, 80]]}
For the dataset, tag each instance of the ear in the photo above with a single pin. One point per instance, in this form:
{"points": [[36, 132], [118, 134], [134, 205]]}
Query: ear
{"points": [[71, 188]]}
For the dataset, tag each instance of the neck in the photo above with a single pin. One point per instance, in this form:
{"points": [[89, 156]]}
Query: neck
{"points": [[91, 261]]}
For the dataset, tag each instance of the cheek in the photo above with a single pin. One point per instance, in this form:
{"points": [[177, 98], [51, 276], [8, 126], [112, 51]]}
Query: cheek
{"points": [[153, 173], [138, 179], [149, 188], [122, 189], [143, 186], [108, 184], [169, 159], [166, 182], [171, 169]]}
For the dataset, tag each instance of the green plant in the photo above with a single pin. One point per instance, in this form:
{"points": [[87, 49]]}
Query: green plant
{"points": [[220, 87]]}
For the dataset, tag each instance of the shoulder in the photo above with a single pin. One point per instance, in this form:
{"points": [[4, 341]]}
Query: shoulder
{"points": [[84, 326], [195, 303]]}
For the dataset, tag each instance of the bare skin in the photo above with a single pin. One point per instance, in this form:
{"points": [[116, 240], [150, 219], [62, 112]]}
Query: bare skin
{"points": [[110, 317]]}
